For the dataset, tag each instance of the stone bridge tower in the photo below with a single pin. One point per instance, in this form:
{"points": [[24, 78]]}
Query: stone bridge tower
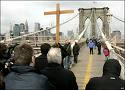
{"points": [[96, 13]]}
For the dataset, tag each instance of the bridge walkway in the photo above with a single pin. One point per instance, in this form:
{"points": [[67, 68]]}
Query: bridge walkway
{"points": [[88, 66]]}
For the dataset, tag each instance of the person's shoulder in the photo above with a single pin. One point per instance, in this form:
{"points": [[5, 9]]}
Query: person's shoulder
{"points": [[38, 57], [69, 72], [41, 57], [95, 79]]}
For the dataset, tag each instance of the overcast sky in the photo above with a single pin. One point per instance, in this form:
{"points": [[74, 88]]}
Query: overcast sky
{"points": [[13, 12]]}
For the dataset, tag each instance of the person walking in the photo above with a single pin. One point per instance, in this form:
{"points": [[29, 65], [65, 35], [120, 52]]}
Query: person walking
{"points": [[41, 61], [67, 61], [61, 78], [87, 41], [23, 76], [99, 47], [76, 49], [110, 79], [91, 45]]}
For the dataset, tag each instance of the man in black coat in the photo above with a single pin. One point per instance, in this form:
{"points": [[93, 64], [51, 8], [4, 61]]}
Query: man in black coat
{"points": [[99, 47], [67, 61], [61, 78], [22, 75], [76, 49], [110, 79], [41, 61]]}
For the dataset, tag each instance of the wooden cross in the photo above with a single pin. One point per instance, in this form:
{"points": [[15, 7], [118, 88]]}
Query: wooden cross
{"points": [[58, 12]]}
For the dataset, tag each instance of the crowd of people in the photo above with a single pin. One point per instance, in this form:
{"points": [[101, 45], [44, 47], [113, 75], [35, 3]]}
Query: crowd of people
{"points": [[20, 69], [92, 43]]}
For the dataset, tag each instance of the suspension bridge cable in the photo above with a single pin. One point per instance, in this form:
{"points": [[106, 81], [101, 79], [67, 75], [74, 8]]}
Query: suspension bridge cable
{"points": [[66, 21], [70, 19], [104, 37], [118, 19]]}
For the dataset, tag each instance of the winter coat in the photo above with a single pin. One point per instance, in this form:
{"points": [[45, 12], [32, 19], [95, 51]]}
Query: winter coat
{"points": [[110, 79], [24, 77], [41, 62], [2, 84], [76, 49], [61, 78], [91, 44], [63, 51], [67, 47], [99, 44]]}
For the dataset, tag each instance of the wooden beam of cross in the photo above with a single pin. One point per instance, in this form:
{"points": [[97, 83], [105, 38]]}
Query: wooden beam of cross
{"points": [[58, 12]]}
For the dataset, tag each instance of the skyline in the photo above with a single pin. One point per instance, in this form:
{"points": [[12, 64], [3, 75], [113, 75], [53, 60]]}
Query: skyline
{"points": [[18, 11]]}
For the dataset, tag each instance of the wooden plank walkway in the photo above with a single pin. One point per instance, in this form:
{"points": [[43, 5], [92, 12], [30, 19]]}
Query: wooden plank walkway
{"points": [[88, 66]]}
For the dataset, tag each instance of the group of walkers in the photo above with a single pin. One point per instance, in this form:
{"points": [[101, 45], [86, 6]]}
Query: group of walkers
{"points": [[72, 54], [92, 43], [20, 69], [49, 71]]}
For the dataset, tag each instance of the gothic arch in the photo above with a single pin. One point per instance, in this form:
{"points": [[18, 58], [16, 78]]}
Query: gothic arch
{"points": [[96, 13]]}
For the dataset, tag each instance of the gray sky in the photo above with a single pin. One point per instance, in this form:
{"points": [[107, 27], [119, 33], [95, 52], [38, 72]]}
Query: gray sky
{"points": [[18, 11]]}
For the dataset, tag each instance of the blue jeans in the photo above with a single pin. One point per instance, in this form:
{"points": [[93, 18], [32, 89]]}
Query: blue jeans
{"points": [[67, 62]]}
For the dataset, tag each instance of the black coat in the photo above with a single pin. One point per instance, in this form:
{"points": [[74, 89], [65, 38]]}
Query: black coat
{"points": [[61, 78], [24, 77], [110, 79], [41, 62], [63, 51], [99, 44], [76, 49], [67, 47]]}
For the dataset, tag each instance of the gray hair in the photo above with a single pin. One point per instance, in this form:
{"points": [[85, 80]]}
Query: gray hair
{"points": [[54, 55]]}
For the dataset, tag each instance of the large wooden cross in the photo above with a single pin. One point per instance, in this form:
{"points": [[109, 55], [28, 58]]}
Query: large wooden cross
{"points": [[58, 12]]}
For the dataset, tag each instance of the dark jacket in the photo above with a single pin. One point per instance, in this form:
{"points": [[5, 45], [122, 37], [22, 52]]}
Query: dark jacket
{"points": [[61, 78], [76, 49], [110, 79], [2, 84], [99, 44], [24, 77], [63, 51], [67, 47], [41, 62]]}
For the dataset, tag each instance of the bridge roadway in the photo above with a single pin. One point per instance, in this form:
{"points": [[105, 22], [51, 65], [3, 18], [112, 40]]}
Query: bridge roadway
{"points": [[88, 66]]}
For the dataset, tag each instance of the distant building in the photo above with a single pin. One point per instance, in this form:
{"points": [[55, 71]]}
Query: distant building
{"points": [[11, 33], [16, 30], [48, 31], [2, 37], [37, 26], [61, 35], [70, 33], [11, 30], [117, 34], [26, 27], [22, 27]]}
